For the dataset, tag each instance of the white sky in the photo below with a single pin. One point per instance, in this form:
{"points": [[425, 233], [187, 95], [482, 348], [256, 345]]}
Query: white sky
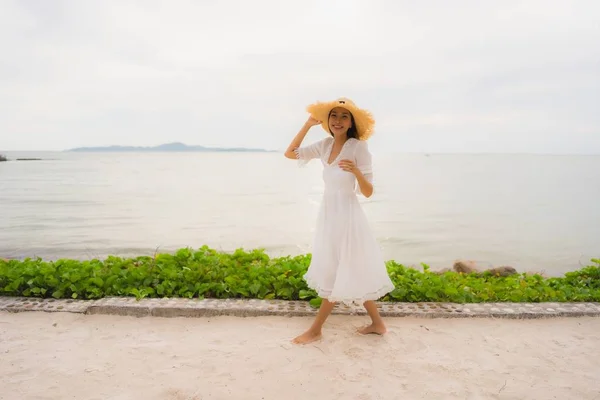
{"points": [[439, 75]]}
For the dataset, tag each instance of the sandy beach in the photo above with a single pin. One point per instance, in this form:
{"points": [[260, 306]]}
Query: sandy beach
{"points": [[76, 356]]}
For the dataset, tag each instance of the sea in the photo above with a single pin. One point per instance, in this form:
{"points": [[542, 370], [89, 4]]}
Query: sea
{"points": [[536, 213]]}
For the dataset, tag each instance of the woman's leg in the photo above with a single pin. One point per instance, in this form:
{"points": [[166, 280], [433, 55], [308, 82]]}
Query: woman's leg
{"points": [[314, 332], [377, 325]]}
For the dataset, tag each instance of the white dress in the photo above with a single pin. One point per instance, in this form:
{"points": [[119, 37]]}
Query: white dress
{"points": [[347, 264]]}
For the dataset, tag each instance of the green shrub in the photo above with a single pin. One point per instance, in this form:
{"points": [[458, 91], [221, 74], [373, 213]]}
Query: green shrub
{"points": [[206, 273]]}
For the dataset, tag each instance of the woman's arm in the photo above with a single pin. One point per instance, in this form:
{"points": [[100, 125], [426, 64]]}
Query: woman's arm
{"points": [[362, 169], [297, 141], [365, 186]]}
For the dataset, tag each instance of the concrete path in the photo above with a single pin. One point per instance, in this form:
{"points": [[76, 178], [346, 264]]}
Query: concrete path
{"points": [[175, 307]]}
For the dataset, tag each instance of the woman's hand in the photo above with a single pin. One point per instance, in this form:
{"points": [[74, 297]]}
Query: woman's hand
{"points": [[348, 166], [312, 122], [366, 188]]}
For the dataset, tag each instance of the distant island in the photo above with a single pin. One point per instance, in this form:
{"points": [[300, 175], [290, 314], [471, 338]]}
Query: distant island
{"points": [[168, 147]]}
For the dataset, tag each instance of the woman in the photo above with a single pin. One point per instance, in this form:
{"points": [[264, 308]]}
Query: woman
{"points": [[347, 264]]}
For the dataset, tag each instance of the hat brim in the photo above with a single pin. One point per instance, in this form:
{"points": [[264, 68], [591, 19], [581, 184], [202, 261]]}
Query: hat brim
{"points": [[362, 118]]}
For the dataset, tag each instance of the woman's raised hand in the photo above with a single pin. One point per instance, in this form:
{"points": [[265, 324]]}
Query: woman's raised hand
{"points": [[297, 141], [312, 122]]}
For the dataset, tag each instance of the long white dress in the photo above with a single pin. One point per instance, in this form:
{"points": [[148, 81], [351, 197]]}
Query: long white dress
{"points": [[347, 264]]}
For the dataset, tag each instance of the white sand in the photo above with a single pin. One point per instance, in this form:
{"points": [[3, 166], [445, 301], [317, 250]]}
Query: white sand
{"points": [[109, 357]]}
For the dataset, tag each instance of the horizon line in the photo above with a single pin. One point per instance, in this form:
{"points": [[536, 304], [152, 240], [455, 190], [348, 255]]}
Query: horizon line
{"points": [[283, 150]]}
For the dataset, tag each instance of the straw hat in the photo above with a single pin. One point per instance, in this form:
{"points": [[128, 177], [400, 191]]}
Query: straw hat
{"points": [[364, 119]]}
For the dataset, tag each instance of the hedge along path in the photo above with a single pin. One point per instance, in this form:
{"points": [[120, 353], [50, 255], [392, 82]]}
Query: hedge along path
{"points": [[207, 274]]}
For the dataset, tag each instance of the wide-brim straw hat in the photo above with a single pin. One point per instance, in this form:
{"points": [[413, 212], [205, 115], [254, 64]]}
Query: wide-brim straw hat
{"points": [[362, 118]]}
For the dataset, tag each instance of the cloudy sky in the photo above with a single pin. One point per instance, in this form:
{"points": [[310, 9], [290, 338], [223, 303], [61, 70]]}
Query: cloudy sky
{"points": [[439, 76]]}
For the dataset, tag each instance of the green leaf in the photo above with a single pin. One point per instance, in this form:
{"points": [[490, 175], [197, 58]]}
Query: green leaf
{"points": [[97, 281], [398, 293], [254, 288], [306, 294], [316, 302]]}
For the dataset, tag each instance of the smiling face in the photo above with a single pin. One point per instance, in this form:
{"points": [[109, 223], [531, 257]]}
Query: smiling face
{"points": [[340, 120]]}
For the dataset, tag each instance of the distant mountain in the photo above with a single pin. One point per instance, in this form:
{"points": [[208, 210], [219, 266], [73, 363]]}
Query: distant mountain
{"points": [[167, 147]]}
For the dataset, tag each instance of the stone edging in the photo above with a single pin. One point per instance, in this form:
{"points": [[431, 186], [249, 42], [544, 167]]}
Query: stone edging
{"points": [[176, 307]]}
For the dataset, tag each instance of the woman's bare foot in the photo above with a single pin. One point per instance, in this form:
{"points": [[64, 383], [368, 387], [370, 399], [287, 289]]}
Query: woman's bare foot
{"points": [[307, 337], [373, 329]]}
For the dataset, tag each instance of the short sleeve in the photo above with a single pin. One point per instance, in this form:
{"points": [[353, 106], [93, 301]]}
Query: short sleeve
{"points": [[363, 161], [306, 153]]}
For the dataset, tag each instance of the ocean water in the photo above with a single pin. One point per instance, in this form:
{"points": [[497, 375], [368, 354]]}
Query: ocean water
{"points": [[533, 212]]}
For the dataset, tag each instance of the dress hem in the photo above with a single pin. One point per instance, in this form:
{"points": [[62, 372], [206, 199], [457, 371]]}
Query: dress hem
{"points": [[376, 295]]}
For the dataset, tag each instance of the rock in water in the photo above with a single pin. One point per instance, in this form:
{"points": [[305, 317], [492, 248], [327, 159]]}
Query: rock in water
{"points": [[502, 271], [466, 267]]}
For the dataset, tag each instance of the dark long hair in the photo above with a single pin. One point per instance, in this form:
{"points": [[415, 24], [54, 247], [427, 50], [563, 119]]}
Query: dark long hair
{"points": [[351, 132]]}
